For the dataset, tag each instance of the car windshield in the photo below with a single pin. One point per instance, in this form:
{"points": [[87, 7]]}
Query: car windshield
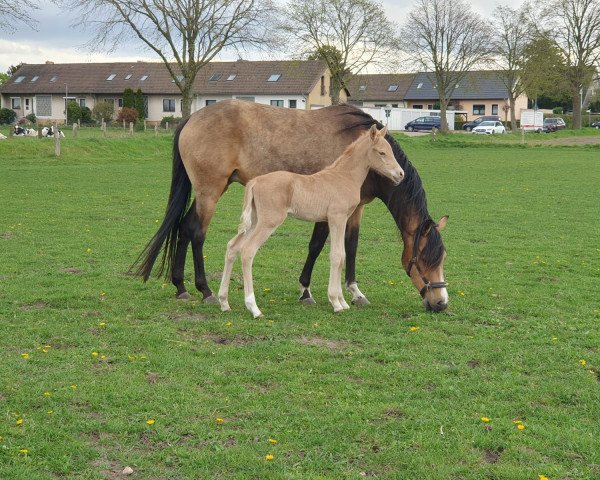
{"points": [[487, 124]]}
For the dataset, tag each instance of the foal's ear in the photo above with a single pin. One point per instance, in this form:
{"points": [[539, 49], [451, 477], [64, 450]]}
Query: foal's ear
{"points": [[373, 132], [442, 223], [383, 131]]}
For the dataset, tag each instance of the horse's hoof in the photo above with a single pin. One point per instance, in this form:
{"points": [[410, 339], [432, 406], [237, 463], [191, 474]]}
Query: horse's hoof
{"points": [[338, 310], [308, 301], [360, 301], [184, 296], [211, 300]]}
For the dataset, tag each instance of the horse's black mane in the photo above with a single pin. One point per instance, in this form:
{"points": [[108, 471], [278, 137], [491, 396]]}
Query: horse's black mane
{"points": [[409, 197]]}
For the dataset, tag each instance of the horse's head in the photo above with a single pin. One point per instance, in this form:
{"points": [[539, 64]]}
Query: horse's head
{"points": [[423, 261], [381, 157]]}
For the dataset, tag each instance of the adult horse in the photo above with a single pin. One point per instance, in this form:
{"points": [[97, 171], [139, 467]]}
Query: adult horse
{"points": [[235, 141]]}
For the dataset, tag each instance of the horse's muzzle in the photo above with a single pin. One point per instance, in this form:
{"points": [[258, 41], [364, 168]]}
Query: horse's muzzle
{"points": [[435, 307]]}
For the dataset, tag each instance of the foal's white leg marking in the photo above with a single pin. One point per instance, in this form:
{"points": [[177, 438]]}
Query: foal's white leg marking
{"points": [[233, 248], [357, 296], [334, 291], [251, 305]]}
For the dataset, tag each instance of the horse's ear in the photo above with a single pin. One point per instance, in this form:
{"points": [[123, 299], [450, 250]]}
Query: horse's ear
{"points": [[442, 223], [373, 132], [383, 131]]}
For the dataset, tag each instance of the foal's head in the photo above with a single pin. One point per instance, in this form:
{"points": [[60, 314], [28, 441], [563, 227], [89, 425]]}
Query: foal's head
{"points": [[380, 156]]}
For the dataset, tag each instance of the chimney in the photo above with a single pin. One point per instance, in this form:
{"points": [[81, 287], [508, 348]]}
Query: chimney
{"points": [[48, 62]]}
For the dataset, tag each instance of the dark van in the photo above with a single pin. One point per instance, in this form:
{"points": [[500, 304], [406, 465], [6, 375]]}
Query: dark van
{"points": [[424, 123]]}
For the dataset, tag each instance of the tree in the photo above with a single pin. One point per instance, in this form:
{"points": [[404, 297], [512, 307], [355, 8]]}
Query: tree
{"points": [[73, 111], [11, 12], [103, 111], [184, 34], [575, 25], [128, 98], [509, 50], [139, 104], [446, 39], [4, 78], [348, 35]]}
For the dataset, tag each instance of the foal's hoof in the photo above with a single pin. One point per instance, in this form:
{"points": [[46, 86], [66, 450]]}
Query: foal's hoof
{"points": [[211, 300], [308, 301], [184, 296], [360, 301]]}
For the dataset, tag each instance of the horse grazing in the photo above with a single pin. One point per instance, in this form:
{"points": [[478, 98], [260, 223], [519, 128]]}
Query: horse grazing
{"points": [[255, 139], [330, 195]]}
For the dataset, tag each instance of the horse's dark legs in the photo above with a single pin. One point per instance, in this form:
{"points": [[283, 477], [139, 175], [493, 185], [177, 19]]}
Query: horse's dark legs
{"points": [[316, 244], [351, 242], [188, 225]]}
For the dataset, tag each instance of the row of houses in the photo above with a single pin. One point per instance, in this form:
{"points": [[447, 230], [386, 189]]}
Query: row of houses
{"points": [[45, 89]]}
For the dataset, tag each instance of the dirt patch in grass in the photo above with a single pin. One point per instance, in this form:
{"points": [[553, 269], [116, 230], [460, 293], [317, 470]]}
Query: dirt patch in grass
{"points": [[188, 317], [109, 469], [332, 345], [6, 235], [491, 456], [73, 270], [235, 340], [33, 306], [474, 363]]}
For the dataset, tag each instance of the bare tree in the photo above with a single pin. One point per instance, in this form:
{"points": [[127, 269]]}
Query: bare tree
{"points": [[446, 39], [185, 34], [513, 33], [575, 25], [348, 34], [11, 12]]}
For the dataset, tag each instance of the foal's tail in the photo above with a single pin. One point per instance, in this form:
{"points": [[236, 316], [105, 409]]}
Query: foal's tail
{"points": [[168, 232], [246, 220]]}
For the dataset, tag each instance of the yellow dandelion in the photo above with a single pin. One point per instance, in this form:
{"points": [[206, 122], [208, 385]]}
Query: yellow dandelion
{"points": [[25, 355], [414, 329], [391, 282], [485, 419], [272, 441], [19, 421], [582, 362], [461, 293], [88, 250], [47, 394], [23, 451], [269, 457], [150, 422], [266, 289], [520, 426], [102, 357], [229, 324], [219, 420], [543, 477], [74, 386], [554, 339], [44, 350], [102, 294], [102, 324], [49, 412], [94, 354], [517, 422]]}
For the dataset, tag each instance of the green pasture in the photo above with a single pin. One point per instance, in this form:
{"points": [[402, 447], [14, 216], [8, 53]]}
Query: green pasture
{"points": [[99, 371]]}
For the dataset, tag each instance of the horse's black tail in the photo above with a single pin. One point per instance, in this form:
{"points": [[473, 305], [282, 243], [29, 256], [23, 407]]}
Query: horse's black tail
{"points": [[168, 232]]}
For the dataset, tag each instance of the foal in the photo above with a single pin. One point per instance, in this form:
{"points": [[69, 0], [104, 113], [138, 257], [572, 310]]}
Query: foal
{"points": [[330, 195]]}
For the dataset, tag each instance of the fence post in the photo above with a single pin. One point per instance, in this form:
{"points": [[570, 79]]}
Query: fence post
{"points": [[56, 140], [123, 124], [103, 128], [11, 131], [75, 130], [166, 125], [39, 132], [144, 124], [156, 130]]}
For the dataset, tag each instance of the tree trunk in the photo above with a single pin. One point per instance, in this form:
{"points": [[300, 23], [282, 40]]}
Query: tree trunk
{"points": [[443, 108], [577, 110], [186, 103], [513, 115]]}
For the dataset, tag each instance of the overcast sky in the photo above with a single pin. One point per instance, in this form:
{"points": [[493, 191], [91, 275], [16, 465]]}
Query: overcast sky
{"points": [[56, 41]]}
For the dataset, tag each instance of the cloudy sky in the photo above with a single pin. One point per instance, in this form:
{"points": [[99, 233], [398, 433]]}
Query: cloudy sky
{"points": [[57, 41]]}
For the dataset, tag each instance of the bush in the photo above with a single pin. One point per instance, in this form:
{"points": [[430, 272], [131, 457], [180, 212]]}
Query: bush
{"points": [[128, 98], [139, 104], [86, 116], [103, 111], [32, 118], [557, 110], [7, 116], [173, 121], [130, 115], [73, 111]]}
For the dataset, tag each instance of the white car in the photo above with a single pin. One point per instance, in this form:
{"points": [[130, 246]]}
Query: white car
{"points": [[489, 128]]}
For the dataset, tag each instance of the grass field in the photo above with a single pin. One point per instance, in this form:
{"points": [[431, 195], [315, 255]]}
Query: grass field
{"points": [[99, 371]]}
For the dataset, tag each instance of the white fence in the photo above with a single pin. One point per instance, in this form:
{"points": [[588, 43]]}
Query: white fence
{"points": [[399, 117]]}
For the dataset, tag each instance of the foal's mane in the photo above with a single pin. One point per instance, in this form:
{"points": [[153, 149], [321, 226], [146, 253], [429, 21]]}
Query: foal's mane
{"points": [[406, 199]]}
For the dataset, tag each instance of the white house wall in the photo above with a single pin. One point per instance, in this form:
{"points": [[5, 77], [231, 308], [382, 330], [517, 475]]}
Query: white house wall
{"points": [[399, 117]]}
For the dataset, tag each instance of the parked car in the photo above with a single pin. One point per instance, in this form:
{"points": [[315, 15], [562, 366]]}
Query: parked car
{"points": [[553, 124], [468, 126], [595, 125], [424, 123], [489, 128]]}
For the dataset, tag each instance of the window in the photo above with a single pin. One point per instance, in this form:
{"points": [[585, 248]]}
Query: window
{"points": [[478, 109], [392, 88], [362, 88], [15, 103], [292, 103], [494, 109], [53, 79], [231, 77], [429, 106], [120, 102], [277, 103], [19, 79], [168, 105], [128, 76], [322, 86], [246, 99], [418, 107], [380, 105], [34, 79], [143, 78], [210, 102], [43, 105], [420, 85], [111, 76], [274, 77], [81, 102], [178, 77], [215, 77]]}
